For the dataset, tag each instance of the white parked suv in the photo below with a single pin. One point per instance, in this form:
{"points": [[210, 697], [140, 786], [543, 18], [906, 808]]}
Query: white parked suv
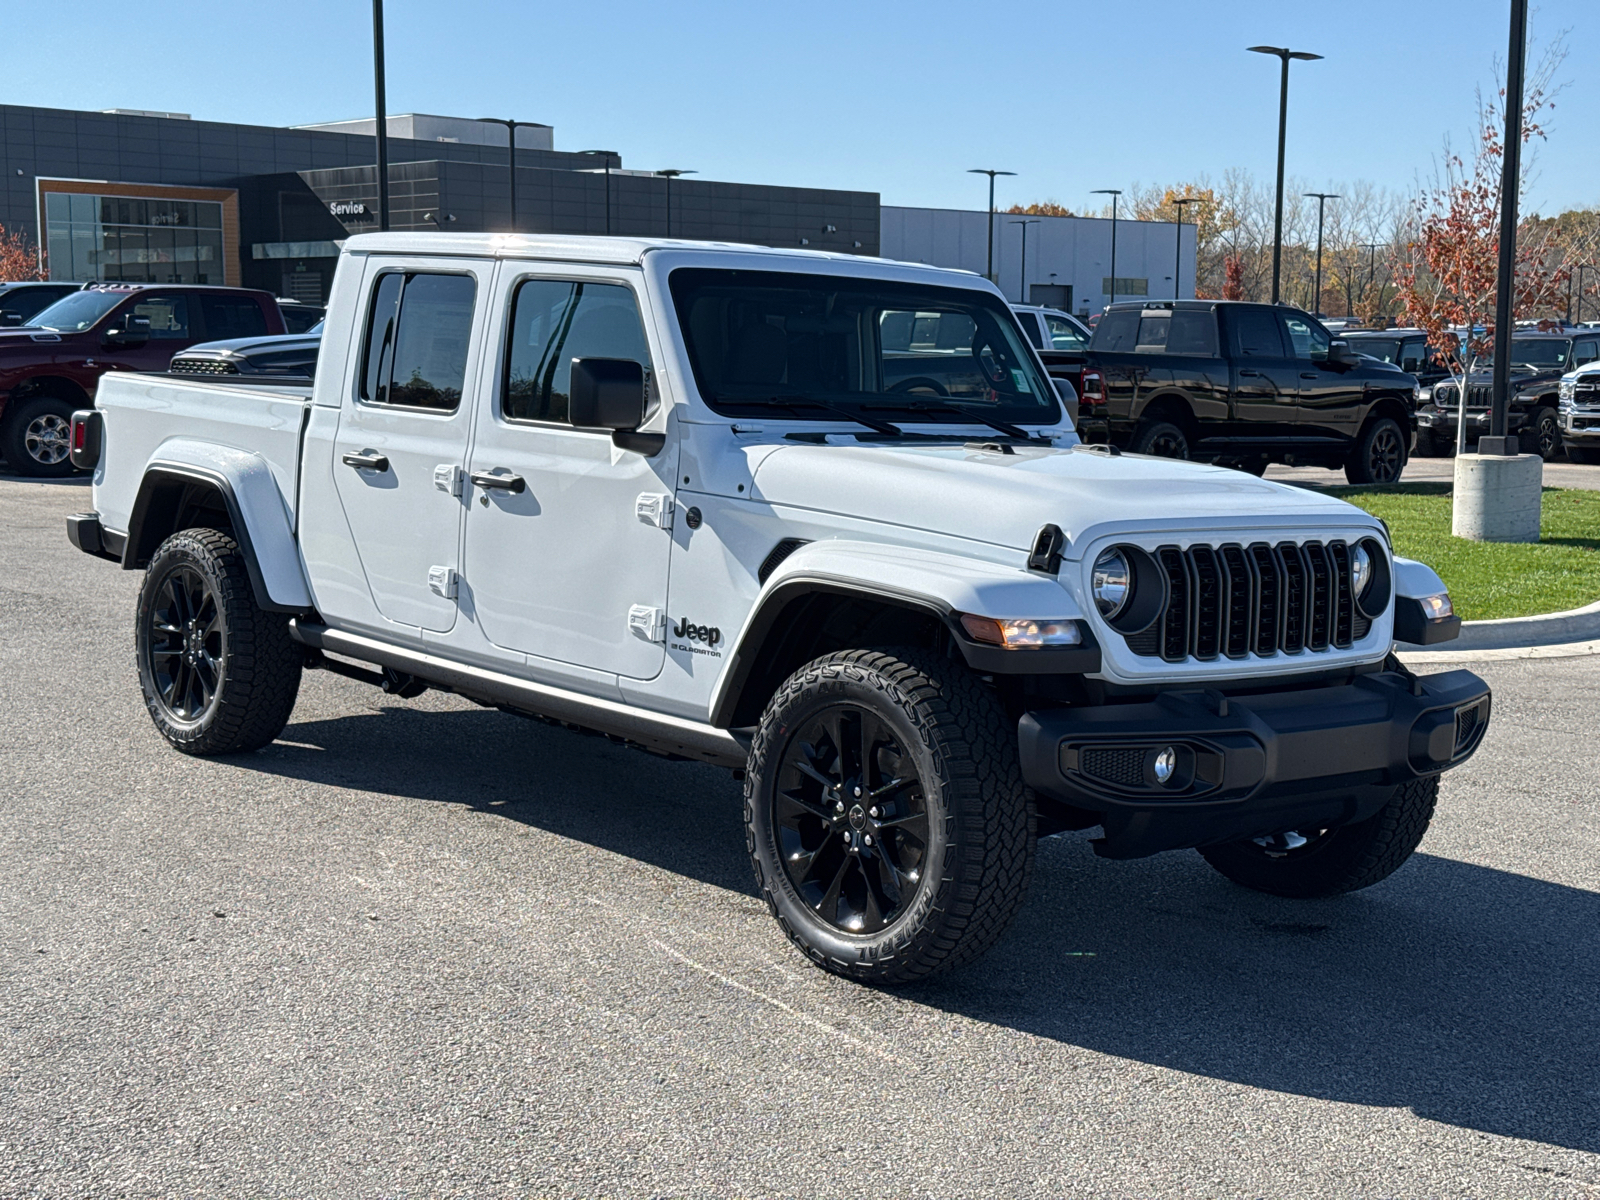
{"points": [[818, 519]]}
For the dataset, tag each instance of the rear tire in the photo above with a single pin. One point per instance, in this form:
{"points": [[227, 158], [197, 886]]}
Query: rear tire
{"points": [[885, 814], [38, 436], [219, 674], [1334, 861], [1162, 439], [1379, 455]]}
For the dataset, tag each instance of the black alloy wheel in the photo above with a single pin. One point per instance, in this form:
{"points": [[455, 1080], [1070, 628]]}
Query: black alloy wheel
{"points": [[1380, 454], [851, 820], [1546, 434], [184, 644]]}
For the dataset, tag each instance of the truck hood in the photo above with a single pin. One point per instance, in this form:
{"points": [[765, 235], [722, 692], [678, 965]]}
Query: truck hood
{"points": [[1003, 499]]}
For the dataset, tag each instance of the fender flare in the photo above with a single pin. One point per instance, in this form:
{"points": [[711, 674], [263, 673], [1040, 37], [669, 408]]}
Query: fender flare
{"points": [[941, 586], [260, 519]]}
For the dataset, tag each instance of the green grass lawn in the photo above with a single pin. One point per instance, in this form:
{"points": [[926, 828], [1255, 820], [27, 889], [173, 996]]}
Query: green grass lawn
{"points": [[1489, 580]]}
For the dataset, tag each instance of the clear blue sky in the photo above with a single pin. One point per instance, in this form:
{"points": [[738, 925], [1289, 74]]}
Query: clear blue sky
{"points": [[893, 96]]}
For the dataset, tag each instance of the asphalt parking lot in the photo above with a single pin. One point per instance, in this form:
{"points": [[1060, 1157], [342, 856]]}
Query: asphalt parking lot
{"points": [[417, 948], [1561, 474]]}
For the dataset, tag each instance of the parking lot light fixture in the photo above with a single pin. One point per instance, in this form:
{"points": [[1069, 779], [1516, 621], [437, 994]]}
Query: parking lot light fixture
{"points": [[1177, 267], [380, 126], [1113, 193], [669, 174], [989, 271], [606, 156], [1283, 125], [511, 158], [1321, 198], [1022, 271]]}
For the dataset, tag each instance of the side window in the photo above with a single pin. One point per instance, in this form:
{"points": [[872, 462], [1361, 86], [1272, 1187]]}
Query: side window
{"points": [[1030, 329], [1193, 333], [417, 338], [1153, 334], [232, 317], [1309, 340], [169, 316], [1584, 352], [1413, 356], [1257, 330], [554, 321], [1117, 331], [1064, 335]]}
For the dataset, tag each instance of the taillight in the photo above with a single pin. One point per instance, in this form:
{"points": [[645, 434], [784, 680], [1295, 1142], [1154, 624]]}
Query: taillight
{"points": [[80, 431], [86, 439], [1093, 388]]}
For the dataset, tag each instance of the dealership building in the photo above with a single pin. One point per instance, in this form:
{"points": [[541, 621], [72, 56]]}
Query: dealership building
{"points": [[161, 198]]}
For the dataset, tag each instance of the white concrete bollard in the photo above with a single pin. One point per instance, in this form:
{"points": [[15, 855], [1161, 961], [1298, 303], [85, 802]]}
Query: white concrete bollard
{"points": [[1496, 497]]}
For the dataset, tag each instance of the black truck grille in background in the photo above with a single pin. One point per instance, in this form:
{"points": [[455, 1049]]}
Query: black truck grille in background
{"points": [[1232, 601], [201, 366], [1478, 395]]}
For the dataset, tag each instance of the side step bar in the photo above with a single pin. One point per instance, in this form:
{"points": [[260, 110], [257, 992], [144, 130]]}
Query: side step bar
{"points": [[656, 731]]}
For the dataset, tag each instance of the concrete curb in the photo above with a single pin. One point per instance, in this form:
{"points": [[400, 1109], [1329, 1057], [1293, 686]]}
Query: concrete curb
{"points": [[1546, 629], [1415, 658]]}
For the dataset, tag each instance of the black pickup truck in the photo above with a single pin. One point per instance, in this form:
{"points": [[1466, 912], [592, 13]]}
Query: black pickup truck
{"points": [[1538, 361], [1244, 385]]}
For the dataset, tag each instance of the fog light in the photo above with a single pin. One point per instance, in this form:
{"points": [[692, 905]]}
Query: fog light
{"points": [[1166, 763]]}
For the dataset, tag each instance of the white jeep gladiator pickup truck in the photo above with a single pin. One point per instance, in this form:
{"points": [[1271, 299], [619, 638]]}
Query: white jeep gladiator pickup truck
{"points": [[815, 518]]}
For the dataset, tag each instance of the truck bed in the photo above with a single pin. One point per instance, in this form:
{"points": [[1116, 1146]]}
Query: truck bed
{"points": [[145, 415]]}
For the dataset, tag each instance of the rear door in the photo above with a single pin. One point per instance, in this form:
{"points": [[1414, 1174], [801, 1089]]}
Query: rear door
{"points": [[1266, 380], [568, 537], [402, 439], [1332, 398]]}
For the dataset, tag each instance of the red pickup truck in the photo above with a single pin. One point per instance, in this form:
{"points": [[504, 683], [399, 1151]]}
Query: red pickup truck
{"points": [[52, 366]]}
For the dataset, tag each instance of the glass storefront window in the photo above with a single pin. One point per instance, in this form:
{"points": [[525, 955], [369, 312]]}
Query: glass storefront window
{"points": [[132, 239]]}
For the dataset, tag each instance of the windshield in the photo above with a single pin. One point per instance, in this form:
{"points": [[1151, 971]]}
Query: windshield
{"points": [[1539, 352], [79, 311], [824, 347]]}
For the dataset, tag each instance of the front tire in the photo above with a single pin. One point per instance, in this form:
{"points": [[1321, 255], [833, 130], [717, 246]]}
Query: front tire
{"points": [[886, 818], [38, 436], [1546, 434], [219, 674], [1379, 455], [1312, 863]]}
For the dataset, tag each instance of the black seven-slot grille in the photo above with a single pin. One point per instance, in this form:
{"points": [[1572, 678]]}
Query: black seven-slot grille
{"points": [[1233, 601]]}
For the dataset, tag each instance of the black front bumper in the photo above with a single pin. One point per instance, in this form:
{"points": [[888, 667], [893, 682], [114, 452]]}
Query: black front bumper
{"points": [[1249, 765]]}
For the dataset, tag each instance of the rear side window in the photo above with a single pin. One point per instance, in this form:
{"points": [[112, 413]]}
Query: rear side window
{"points": [[1030, 329], [232, 317], [169, 316], [1193, 333], [1117, 331], [1064, 335], [417, 336], [554, 321], [1257, 331]]}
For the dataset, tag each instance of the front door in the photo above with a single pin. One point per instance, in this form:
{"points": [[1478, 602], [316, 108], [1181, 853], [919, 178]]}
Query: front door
{"points": [[1331, 397], [172, 328], [402, 439], [567, 545], [1266, 384]]}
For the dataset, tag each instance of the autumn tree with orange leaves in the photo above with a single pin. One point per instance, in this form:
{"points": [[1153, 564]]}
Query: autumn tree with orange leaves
{"points": [[19, 259]]}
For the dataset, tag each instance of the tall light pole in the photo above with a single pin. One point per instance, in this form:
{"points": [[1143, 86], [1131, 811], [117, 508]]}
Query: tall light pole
{"points": [[1321, 198], [1510, 186], [1283, 126], [1113, 193], [381, 126], [1022, 271], [608, 155], [511, 157], [1177, 267], [669, 174], [1582, 267], [989, 271]]}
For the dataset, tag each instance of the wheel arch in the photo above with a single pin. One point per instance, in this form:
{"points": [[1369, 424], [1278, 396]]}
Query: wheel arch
{"points": [[231, 490], [1173, 407], [58, 386], [1391, 407]]}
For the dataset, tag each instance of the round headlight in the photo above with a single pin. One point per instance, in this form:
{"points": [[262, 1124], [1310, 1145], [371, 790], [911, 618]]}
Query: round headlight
{"points": [[1111, 582], [1360, 571]]}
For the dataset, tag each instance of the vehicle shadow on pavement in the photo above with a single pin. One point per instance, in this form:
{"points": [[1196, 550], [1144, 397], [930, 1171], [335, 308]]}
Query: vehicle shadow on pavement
{"points": [[1469, 995]]}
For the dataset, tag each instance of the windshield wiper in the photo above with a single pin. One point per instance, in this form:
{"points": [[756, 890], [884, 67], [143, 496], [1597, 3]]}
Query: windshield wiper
{"points": [[961, 410], [798, 402]]}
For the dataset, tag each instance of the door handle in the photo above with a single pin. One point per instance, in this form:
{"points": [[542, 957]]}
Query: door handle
{"points": [[509, 483], [1309, 375], [1246, 374], [366, 462]]}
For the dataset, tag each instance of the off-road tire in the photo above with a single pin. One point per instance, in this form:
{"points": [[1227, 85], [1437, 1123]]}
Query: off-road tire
{"points": [[1162, 439], [35, 430], [1544, 434], [981, 817], [258, 665], [1341, 860], [1379, 455]]}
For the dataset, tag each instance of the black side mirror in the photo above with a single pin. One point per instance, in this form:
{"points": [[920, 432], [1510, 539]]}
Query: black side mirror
{"points": [[1343, 354], [9, 318], [609, 393], [133, 331]]}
